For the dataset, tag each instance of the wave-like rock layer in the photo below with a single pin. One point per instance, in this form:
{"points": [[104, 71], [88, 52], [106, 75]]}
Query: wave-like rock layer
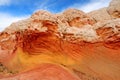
{"points": [[72, 45]]}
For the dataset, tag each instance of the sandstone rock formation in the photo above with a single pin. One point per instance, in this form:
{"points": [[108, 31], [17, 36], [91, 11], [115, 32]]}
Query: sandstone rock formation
{"points": [[72, 45], [100, 15], [110, 12], [114, 9]]}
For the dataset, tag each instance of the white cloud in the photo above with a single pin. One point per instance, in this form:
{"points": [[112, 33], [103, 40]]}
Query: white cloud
{"points": [[93, 5], [5, 2], [7, 19], [42, 6]]}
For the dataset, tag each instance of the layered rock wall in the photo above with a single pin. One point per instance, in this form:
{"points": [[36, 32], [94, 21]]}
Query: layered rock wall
{"points": [[72, 45]]}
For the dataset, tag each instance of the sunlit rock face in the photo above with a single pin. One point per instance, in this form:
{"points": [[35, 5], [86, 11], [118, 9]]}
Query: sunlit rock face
{"points": [[72, 45], [114, 8], [100, 15]]}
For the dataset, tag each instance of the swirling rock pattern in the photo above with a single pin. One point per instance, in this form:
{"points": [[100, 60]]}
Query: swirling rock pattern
{"points": [[72, 45]]}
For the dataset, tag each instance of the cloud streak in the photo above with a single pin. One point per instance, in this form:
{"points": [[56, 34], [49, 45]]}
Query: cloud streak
{"points": [[93, 5], [4, 2], [7, 19], [46, 5]]}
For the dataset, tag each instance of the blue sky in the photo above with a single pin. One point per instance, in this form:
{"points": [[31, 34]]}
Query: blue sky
{"points": [[14, 10]]}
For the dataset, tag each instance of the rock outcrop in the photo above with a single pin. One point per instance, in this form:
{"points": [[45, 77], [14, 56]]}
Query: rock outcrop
{"points": [[100, 15], [114, 8], [108, 13], [72, 45]]}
